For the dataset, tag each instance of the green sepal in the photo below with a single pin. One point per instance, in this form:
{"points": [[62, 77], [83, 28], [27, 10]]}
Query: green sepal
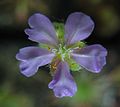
{"points": [[59, 27], [45, 46], [73, 65], [79, 44]]}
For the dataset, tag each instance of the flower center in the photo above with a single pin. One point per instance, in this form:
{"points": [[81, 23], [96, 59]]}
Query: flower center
{"points": [[62, 52]]}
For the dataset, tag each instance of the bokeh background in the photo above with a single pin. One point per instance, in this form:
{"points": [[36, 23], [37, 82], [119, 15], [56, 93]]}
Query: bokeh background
{"points": [[94, 90]]}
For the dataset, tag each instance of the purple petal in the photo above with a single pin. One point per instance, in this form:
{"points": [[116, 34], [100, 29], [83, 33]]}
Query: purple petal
{"points": [[63, 83], [42, 29], [39, 36], [32, 58], [78, 27], [93, 57]]}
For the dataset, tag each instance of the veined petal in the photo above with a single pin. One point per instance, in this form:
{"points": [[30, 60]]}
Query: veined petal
{"points": [[93, 57], [78, 27], [39, 36], [63, 83], [32, 58], [42, 29]]}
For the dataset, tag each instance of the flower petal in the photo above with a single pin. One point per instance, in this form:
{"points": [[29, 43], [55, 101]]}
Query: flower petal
{"points": [[93, 57], [63, 83], [32, 58], [39, 36], [42, 29], [78, 27]]}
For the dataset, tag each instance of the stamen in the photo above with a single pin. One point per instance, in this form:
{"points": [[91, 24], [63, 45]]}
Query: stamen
{"points": [[54, 51]]}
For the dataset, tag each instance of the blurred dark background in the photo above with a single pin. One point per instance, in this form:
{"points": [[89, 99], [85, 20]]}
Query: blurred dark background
{"points": [[94, 90]]}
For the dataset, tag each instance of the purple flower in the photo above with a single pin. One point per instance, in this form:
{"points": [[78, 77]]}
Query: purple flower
{"points": [[77, 27]]}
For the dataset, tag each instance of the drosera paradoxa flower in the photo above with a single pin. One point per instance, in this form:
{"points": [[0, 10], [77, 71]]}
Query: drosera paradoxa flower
{"points": [[62, 49]]}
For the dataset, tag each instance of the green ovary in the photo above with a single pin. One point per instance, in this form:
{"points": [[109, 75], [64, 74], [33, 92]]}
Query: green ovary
{"points": [[62, 52]]}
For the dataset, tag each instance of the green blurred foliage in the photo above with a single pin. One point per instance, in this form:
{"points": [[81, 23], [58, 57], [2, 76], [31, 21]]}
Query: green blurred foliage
{"points": [[8, 98]]}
